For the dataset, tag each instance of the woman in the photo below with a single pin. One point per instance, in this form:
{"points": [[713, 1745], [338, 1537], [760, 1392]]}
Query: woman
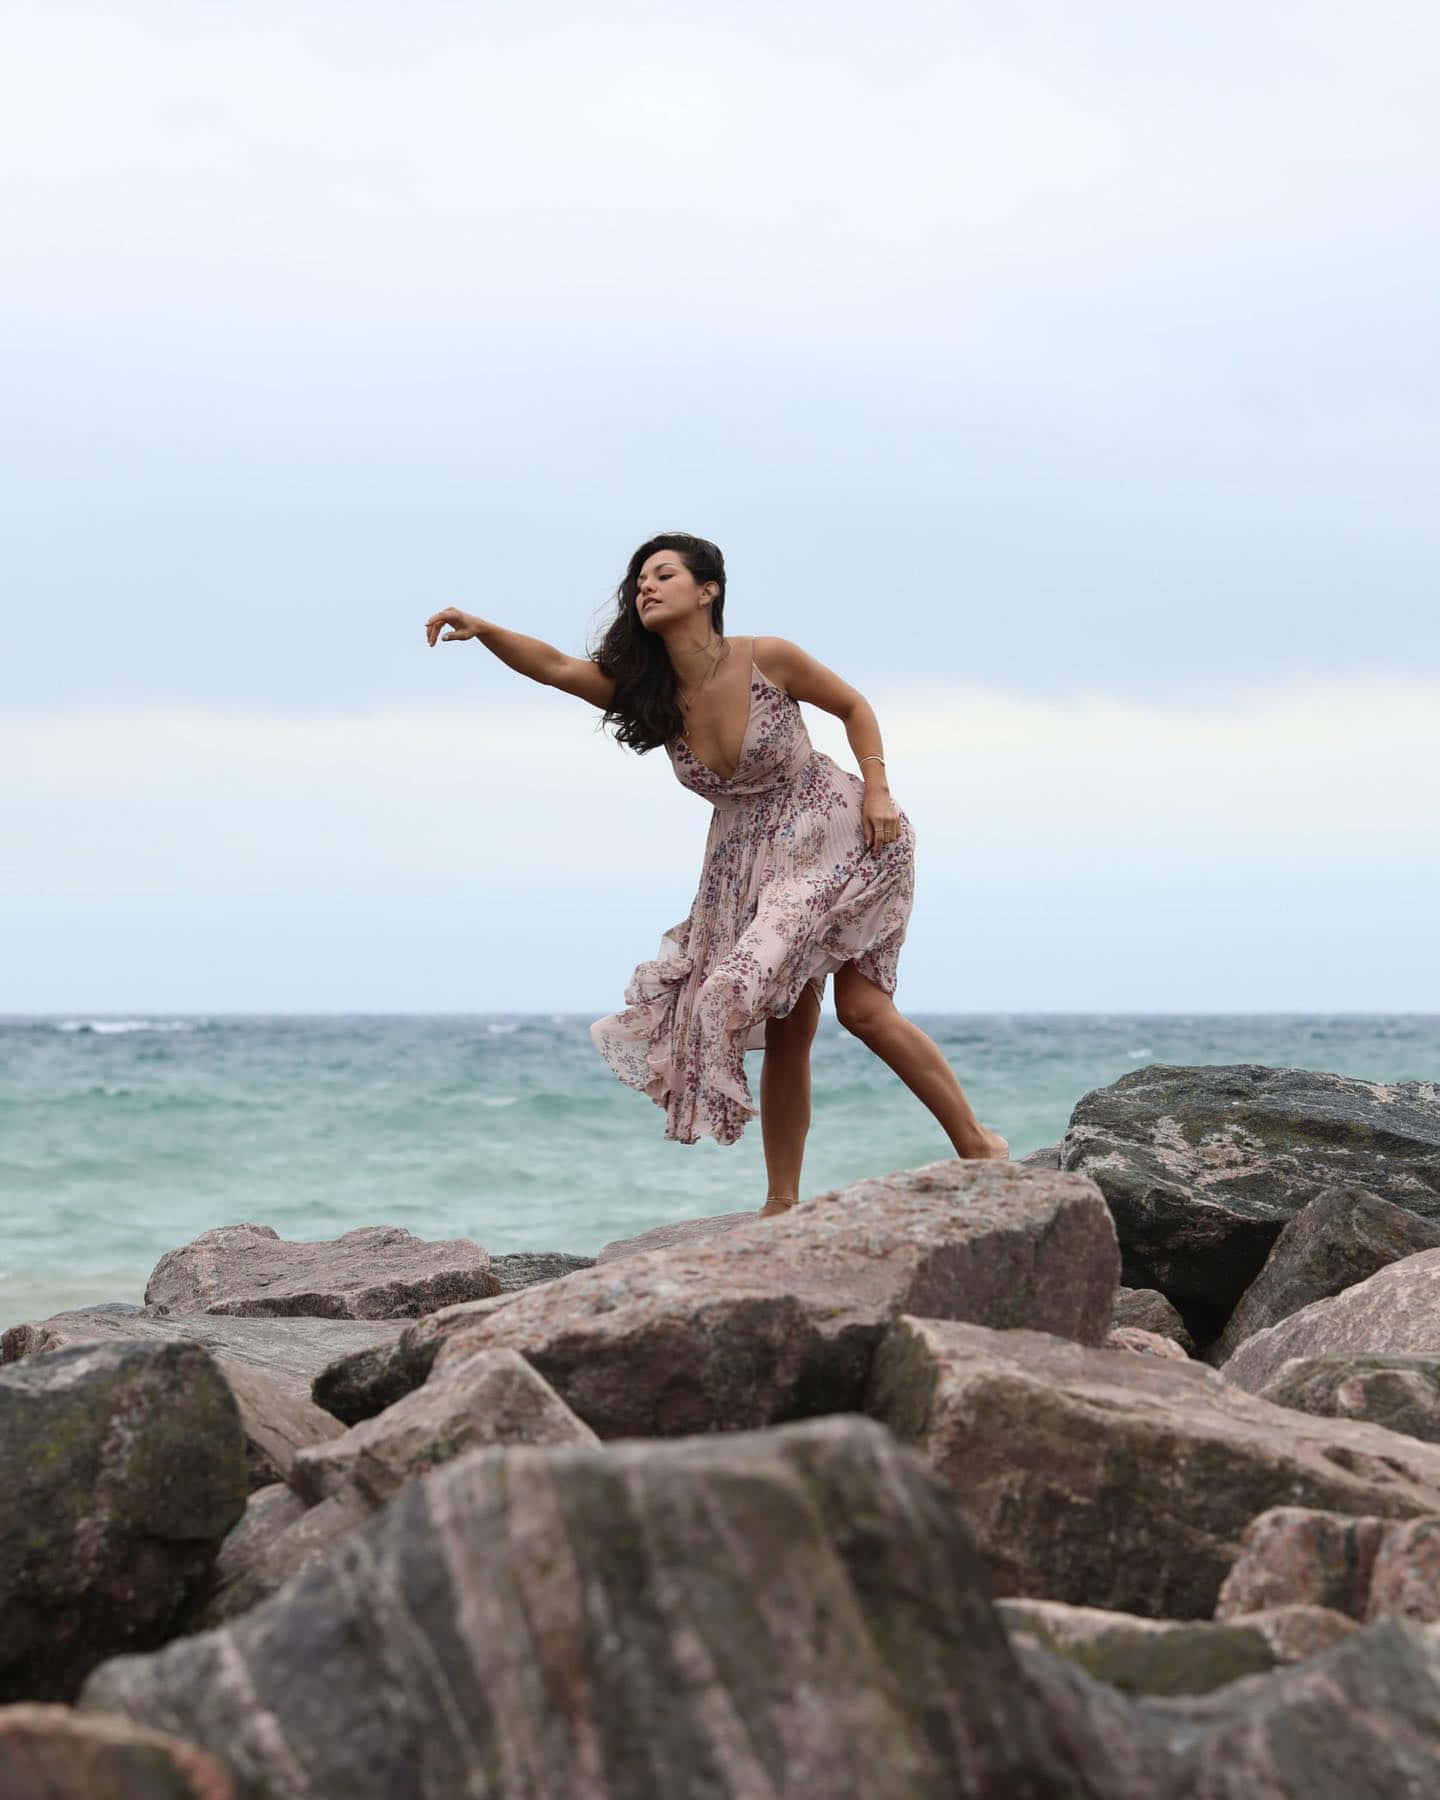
{"points": [[808, 869]]}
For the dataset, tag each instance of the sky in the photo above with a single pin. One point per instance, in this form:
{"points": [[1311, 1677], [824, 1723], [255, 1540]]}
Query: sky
{"points": [[1064, 378]]}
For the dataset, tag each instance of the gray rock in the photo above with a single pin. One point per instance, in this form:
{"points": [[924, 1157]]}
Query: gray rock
{"points": [[1146, 1309], [1361, 1722], [1405, 1581], [53, 1753], [1397, 1309], [277, 1423], [1339, 1238], [291, 1351], [779, 1319], [373, 1272], [1402, 1393], [1203, 1166], [122, 1467], [1048, 1158], [1168, 1656], [493, 1397], [523, 1268], [792, 1612], [1126, 1482]]}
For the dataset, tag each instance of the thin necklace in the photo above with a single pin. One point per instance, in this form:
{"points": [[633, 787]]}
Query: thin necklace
{"points": [[699, 684]]}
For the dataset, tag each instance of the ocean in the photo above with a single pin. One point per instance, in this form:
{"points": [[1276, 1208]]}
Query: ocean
{"points": [[121, 1138]]}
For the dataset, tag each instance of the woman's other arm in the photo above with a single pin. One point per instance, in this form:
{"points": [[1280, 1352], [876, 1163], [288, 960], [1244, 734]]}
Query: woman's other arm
{"points": [[529, 656]]}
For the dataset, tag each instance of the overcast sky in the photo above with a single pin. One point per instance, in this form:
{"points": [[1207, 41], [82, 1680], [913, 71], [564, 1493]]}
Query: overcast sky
{"points": [[1065, 377]]}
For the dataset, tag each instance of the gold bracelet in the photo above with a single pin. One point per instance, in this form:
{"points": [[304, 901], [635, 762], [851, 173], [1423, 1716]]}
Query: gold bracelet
{"points": [[873, 757]]}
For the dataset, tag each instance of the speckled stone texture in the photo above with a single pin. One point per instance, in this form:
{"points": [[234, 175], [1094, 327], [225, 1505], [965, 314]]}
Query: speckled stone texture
{"points": [[793, 1613], [292, 1352], [1106, 1479], [1402, 1393], [1301, 1556], [373, 1272], [1359, 1722], [1397, 1309], [779, 1319], [122, 1466], [493, 1397], [1146, 1309], [1203, 1166], [680, 1231], [1342, 1237], [53, 1753]]}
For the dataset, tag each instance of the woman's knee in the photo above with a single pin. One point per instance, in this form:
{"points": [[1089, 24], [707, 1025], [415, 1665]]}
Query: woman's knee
{"points": [[860, 1006]]}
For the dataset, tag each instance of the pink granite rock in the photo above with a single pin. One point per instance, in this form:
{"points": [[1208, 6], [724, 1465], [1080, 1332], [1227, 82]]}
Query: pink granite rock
{"points": [[1108, 1479], [778, 1319], [373, 1272], [1398, 1308], [1144, 1343], [1405, 1580], [1296, 1555], [52, 1753], [492, 1397], [666, 1237], [795, 1612]]}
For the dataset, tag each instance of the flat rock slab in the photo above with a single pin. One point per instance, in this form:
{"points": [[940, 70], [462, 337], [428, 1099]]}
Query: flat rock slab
{"points": [[291, 1351], [1126, 1482], [1341, 1237], [1168, 1656], [53, 1753], [122, 1467], [1202, 1167], [523, 1268], [1397, 1309], [493, 1397], [778, 1319], [667, 1237], [373, 1272], [1402, 1393], [790, 1612]]}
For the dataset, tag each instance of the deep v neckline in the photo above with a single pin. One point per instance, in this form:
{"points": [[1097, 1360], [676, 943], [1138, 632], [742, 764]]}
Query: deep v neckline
{"points": [[725, 780]]}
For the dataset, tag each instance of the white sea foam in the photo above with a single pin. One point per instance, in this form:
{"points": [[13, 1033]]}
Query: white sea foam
{"points": [[107, 1026]]}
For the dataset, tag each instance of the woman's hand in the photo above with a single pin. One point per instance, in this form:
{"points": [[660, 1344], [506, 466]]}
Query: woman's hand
{"points": [[462, 625], [882, 822]]}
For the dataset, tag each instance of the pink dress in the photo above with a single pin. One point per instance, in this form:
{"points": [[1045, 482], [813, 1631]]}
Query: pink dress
{"points": [[788, 892]]}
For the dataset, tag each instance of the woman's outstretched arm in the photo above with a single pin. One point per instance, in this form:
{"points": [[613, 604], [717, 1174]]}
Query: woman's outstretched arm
{"points": [[530, 656]]}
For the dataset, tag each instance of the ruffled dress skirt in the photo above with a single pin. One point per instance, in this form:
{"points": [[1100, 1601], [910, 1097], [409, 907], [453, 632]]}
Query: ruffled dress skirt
{"points": [[788, 893]]}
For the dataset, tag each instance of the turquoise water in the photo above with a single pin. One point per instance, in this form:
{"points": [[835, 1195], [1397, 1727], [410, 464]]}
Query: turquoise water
{"points": [[123, 1137]]}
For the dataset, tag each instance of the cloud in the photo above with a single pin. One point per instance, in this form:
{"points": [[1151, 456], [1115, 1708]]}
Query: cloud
{"points": [[1307, 777]]}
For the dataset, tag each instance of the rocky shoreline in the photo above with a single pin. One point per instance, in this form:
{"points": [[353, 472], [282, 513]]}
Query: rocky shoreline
{"points": [[1113, 1473]]}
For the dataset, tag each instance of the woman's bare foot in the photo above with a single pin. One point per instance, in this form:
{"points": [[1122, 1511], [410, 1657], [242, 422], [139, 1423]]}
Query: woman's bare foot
{"points": [[997, 1148], [775, 1204]]}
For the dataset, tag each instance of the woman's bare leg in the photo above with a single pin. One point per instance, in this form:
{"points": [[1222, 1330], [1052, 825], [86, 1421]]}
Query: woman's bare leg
{"points": [[869, 1012], [785, 1099]]}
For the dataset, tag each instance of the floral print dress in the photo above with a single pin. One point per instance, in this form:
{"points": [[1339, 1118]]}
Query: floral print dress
{"points": [[788, 892]]}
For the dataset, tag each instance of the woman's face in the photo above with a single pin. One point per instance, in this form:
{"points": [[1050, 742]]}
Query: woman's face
{"points": [[666, 591]]}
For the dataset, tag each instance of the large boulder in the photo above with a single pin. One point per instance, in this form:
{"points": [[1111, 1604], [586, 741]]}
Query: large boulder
{"points": [[1175, 1656], [122, 1467], [796, 1611], [493, 1397], [373, 1272], [1358, 1722], [363, 1383], [1106, 1479], [523, 1268], [1342, 1236], [53, 1753], [1402, 1393], [778, 1319], [292, 1352], [1397, 1309], [667, 1237], [1203, 1166]]}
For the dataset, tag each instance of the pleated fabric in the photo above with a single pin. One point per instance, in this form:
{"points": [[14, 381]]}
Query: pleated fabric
{"points": [[788, 892]]}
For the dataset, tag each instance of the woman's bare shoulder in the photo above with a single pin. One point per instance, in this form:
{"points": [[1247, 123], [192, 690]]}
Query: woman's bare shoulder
{"points": [[774, 659]]}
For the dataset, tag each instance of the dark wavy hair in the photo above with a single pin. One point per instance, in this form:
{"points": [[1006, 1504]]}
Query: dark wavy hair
{"points": [[644, 709]]}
